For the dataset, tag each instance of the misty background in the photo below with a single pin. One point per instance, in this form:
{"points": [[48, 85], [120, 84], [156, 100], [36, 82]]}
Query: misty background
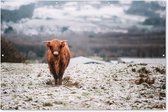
{"points": [[103, 29]]}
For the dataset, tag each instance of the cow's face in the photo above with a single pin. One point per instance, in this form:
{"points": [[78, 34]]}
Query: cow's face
{"points": [[55, 46]]}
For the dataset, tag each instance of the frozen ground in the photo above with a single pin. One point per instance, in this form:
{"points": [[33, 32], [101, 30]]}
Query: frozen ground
{"points": [[85, 86]]}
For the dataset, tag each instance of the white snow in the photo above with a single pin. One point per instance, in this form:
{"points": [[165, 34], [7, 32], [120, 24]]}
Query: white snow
{"points": [[144, 60]]}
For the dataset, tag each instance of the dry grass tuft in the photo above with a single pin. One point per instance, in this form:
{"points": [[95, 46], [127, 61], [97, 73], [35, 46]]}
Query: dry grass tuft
{"points": [[143, 70], [68, 81], [161, 71], [49, 82], [47, 104]]}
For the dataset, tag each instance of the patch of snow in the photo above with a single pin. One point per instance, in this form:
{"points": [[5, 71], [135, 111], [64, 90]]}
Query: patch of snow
{"points": [[143, 60], [84, 60]]}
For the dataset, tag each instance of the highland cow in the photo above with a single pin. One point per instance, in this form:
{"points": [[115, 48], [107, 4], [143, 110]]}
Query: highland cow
{"points": [[58, 57]]}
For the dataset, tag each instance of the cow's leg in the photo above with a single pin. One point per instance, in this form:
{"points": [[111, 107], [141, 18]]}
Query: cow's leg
{"points": [[53, 72], [60, 78], [56, 79], [61, 72]]}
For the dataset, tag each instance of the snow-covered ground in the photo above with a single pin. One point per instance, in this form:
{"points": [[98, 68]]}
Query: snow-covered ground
{"points": [[143, 60], [85, 86]]}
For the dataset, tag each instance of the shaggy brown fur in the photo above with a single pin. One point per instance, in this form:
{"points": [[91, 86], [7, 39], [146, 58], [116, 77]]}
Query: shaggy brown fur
{"points": [[58, 57]]}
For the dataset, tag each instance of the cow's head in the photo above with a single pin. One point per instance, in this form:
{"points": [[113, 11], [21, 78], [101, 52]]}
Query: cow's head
{"points": [[55, 46]]}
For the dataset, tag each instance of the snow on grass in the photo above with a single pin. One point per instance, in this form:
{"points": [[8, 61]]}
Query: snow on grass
{"points": [[85, 86]]}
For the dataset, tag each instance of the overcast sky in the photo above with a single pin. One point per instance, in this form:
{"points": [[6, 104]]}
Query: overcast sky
{"points": [[77, 16]]}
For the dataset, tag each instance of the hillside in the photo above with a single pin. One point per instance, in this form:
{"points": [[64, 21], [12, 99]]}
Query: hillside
{"points": [[85, 86]]}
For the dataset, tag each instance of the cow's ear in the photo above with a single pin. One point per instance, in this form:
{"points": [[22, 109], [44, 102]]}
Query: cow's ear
{"points": [[63, 43], [47, 43]]}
